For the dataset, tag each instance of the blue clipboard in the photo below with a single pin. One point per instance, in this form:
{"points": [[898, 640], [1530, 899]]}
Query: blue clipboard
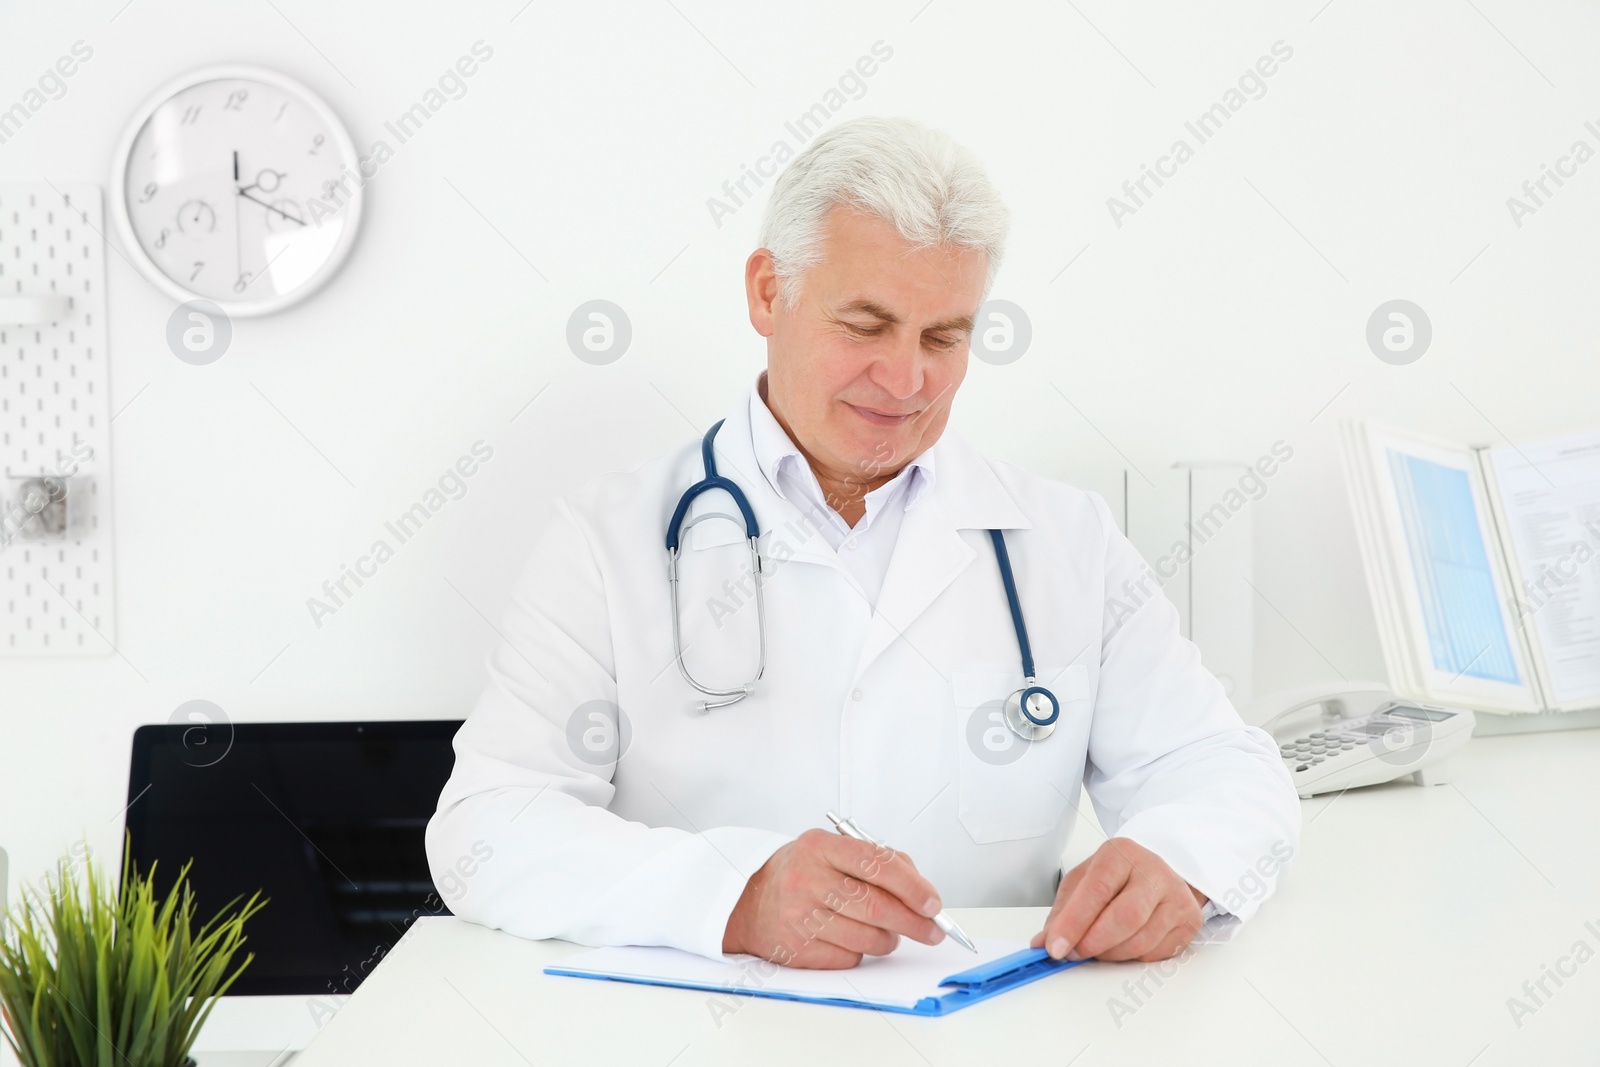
{"points": [[966, 987]]}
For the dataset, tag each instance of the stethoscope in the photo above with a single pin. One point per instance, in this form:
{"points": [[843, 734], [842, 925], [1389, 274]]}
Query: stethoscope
{"points": [[1031, 712]]}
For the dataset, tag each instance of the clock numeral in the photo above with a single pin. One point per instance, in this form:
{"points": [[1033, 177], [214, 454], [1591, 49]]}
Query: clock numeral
{"points": [[236, 99], [281, 109], [243, 283], [149, 193], [316, 143], [191, 114], [161, 241], [199, 265]]}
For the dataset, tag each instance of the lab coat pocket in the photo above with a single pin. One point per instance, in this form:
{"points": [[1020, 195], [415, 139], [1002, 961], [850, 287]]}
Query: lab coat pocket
{"points": [[1010, 789]]}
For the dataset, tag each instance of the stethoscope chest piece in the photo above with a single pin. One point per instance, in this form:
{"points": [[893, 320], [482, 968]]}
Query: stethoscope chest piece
{"points": [[1031, 713]]}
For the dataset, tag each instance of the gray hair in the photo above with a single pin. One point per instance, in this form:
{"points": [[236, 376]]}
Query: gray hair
{"points": [[933, 190]]}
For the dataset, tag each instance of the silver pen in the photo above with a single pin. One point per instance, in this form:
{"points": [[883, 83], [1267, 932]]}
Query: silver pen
{"points": [[849, 828]]}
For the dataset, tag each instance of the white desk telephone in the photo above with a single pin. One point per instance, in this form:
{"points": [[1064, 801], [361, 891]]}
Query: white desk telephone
{"points": [[1335, 739]]}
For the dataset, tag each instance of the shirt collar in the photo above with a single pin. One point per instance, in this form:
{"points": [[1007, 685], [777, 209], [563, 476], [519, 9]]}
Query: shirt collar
{"points": [[777, 453]]}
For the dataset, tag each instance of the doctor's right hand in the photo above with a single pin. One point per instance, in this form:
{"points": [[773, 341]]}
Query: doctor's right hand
{"points": [[825, 900]]}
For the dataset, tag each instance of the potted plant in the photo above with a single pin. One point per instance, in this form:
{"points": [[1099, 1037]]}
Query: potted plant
{"points": [[92, 979]]}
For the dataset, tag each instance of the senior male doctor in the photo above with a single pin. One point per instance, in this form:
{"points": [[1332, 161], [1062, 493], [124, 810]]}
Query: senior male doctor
{"points": [[882, 637]]}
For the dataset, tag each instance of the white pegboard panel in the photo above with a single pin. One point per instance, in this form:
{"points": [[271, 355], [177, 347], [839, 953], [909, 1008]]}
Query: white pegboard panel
{"points": [[55, 424]]}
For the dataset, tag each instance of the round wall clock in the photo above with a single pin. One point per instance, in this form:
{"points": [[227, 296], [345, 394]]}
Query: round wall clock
{"points": [[236, 185]]}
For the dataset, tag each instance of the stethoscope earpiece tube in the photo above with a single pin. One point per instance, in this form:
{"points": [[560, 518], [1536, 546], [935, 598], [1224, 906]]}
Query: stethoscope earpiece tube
{"points": [[752, 531], [712, 480]]}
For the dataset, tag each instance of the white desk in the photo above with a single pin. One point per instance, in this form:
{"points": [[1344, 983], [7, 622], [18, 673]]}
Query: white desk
{"points": [[1407, 920]]}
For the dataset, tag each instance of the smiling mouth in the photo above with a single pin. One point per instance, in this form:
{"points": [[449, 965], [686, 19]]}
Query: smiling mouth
{"points": [[881, 418]]}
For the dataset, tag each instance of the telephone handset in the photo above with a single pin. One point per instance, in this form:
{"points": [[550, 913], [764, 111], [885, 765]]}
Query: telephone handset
{"points": [[1336, 737]]}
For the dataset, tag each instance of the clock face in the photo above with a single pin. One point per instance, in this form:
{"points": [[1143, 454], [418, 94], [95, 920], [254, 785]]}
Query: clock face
{"points": [[239, 187]]}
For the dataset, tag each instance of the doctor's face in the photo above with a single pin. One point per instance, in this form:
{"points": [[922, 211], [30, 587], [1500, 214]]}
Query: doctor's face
{"points": [[862, 370]]}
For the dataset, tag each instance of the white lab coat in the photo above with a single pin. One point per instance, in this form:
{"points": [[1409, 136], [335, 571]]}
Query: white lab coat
{"points": [[868, 713]]}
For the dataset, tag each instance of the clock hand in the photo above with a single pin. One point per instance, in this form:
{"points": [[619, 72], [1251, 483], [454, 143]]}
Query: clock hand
{"points": [[238, 241], [269, 207]]}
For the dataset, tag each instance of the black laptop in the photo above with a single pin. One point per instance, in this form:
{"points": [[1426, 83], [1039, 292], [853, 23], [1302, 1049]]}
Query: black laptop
{"points": [[324, 818]]}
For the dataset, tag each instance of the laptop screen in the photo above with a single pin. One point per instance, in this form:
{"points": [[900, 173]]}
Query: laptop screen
{"points": [[326, 819]]}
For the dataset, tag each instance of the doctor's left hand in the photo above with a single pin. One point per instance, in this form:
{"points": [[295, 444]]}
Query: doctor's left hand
{"points": [[1122, 903]]}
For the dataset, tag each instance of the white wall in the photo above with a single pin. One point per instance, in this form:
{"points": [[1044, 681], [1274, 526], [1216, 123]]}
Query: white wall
{"points": [[1223, 316]]}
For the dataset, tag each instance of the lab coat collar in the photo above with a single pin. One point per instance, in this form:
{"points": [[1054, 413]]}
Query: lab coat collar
{"points": [[930, 552]]}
